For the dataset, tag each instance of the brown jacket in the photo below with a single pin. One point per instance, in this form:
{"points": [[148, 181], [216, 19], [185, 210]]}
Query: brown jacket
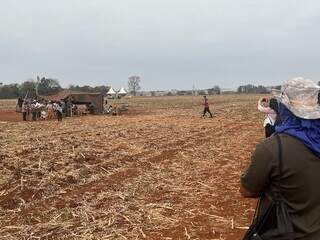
{"points": [[299, 182]]}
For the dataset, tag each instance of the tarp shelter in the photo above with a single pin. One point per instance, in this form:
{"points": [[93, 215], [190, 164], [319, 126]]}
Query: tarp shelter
{"points": [[96, 99], [111, 93]]}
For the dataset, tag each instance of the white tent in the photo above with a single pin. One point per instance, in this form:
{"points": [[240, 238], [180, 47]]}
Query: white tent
{"points": [[111, 92], [122, 91]]}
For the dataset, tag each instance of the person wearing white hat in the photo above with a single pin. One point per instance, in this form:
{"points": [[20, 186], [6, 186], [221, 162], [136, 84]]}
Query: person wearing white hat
{"points": [[297, 143], [301, 97]]}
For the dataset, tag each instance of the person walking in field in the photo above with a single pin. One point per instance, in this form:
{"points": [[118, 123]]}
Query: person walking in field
{"points": [[206, 107], [287, 164]]}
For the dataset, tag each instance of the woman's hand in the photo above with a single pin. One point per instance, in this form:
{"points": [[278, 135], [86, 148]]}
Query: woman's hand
{"points": [[264, 102]]}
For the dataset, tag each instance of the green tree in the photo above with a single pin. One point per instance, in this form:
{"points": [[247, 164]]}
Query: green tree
{"points": [[101, 89], [98, 89], [28, 88], [9, 91], [48, 86], [84, 88]]}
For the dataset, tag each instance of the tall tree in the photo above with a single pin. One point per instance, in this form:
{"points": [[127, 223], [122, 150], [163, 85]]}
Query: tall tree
{"points": [[28, 88], [134, 84], [47, 86]]}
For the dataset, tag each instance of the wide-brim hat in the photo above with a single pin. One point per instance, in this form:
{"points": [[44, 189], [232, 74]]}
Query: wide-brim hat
{"points": [[301, 97]]}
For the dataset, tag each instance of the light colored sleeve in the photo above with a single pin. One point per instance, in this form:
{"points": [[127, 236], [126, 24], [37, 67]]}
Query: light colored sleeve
{"points": [[266, 110]]}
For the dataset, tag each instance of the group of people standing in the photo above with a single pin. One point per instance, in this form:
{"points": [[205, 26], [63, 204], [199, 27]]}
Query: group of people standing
{"points": [[34, 110]]}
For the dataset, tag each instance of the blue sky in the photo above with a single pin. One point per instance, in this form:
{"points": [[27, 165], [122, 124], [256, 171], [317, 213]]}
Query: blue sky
{"points": [[171, 44]]}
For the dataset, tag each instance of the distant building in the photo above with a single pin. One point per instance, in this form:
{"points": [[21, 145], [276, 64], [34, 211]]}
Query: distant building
{"points": [[161, 93], [94, 99], [145, 94]]}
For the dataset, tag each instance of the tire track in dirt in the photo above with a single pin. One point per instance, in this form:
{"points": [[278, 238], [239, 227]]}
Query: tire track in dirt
{"points": [[203, 220], [131, 170], [121, 177]]}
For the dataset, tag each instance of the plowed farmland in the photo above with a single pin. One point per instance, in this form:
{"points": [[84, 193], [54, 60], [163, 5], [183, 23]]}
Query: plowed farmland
{"points": [[158, 171]]}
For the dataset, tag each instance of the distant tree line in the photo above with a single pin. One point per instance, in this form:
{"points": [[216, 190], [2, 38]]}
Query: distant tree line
{"points": [[249, 88], [215, 90], [43, 86], [101, 89], [49, 86]]}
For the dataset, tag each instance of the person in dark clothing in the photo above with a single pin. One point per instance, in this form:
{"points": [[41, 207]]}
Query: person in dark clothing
{"points": [[58, 110], [206, 107], [91, 108], [299, 132], [28, 109], [19, 105], [38, 112], [59, 115], [63, 106], [24, 116], [34, 115], [20, 102], [69, 106]]}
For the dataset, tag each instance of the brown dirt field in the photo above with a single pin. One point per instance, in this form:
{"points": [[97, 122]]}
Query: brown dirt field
{"points": [[8, 104], [158, 172], [8, 112], [10, 116]]}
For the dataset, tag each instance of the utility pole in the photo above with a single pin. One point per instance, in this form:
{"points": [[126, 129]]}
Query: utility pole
{"points": [[37, 84]]}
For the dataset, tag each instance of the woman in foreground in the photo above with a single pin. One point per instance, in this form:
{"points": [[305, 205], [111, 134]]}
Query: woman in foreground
{"points": [[299, 133]]}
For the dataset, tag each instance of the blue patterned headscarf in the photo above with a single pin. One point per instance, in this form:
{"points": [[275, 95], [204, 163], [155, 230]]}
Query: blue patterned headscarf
{"points": [[306, 130]]}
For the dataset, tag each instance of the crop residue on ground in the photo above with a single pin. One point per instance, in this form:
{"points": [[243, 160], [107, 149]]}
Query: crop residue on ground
{"points": [[158, 172]]}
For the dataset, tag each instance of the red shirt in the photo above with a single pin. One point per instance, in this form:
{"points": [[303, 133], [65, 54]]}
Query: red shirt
{"points": [[206, 103]]}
